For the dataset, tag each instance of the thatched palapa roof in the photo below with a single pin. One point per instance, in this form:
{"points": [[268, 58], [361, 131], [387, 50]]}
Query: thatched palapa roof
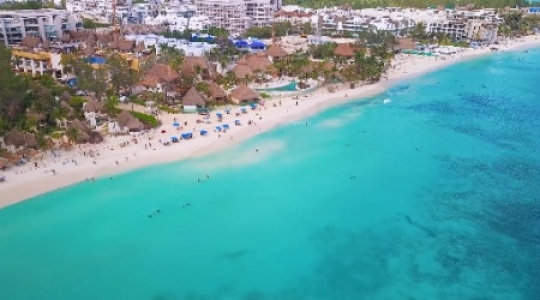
{"points": [[277, 51], [344, 49], [21, 139], [4, 162], [244, 93], [126, 120], [125, 45], [406, 43], [123, 118], [241, 71], [216, 91], [189, 64], [30, 41], [164, 72], [135, 125], [92, 106], [193, 97]]}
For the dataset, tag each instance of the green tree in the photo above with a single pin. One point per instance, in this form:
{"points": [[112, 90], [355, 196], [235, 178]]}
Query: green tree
{"points": [[120, 73], [322, 51], [110, 105], [419, 33], [73, 135], [217, 31]]}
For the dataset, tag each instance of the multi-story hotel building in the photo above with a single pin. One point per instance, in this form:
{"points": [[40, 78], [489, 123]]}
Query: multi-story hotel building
{"points": [[45, 23], [238, 15]]}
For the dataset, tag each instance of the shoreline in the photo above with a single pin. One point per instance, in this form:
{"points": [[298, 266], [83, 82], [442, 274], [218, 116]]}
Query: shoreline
{"points": [[74, 166]]}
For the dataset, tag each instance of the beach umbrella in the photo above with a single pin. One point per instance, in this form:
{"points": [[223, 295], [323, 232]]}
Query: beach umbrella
{"points": [[187, 135], [218, 128], [225, 126], [176, 124], [219, 115], [204, 132]]}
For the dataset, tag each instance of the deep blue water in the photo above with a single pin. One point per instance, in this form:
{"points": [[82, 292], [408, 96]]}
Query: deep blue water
{"points": [[434, 195]]}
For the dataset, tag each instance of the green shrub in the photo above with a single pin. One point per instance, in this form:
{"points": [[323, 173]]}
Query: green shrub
{"points": [[265, 95], [148, 120]]}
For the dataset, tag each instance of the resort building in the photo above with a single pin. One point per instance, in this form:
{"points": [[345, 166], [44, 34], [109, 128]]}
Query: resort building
{"points": [[238, 15], [48, 24]]}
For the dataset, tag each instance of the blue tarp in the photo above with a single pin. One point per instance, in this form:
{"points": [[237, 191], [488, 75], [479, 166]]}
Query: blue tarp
{"points": [[257, 45], [241, 44], [96, 60]]}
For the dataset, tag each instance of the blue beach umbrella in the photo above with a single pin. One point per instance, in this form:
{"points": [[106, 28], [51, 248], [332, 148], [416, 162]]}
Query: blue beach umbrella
{"points": [[175, 124], [218, 128], [225, 126], [204, 132], [219, 115]]}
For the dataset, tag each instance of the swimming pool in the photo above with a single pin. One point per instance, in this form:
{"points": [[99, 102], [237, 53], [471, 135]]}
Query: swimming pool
{"points": [[291, 87]]}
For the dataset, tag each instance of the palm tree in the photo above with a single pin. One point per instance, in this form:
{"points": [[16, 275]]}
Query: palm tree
{"points": [[72, 134], [350, 74], [110, 105]]}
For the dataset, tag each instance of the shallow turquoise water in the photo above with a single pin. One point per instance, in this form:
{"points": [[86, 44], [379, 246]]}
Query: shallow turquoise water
{"points": [[434, 195]]}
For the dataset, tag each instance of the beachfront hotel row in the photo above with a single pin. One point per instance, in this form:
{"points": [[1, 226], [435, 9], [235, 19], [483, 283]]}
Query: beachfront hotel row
{"points": [[40, 37]]}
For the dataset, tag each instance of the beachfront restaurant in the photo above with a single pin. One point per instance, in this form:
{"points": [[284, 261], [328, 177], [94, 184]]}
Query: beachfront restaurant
{"points": [[193, 100], [244, 94]]}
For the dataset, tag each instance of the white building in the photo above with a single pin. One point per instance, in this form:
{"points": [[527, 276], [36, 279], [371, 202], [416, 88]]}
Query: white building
{"points": [[179, 18], [238, 15], [45, 23]]}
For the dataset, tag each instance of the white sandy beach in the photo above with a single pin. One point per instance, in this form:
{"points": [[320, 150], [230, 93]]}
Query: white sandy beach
{"points": [[77, 165]]}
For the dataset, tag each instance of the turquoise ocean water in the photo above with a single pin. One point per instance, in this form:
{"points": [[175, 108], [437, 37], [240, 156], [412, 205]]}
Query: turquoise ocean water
{"points": [[433, 195]]}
